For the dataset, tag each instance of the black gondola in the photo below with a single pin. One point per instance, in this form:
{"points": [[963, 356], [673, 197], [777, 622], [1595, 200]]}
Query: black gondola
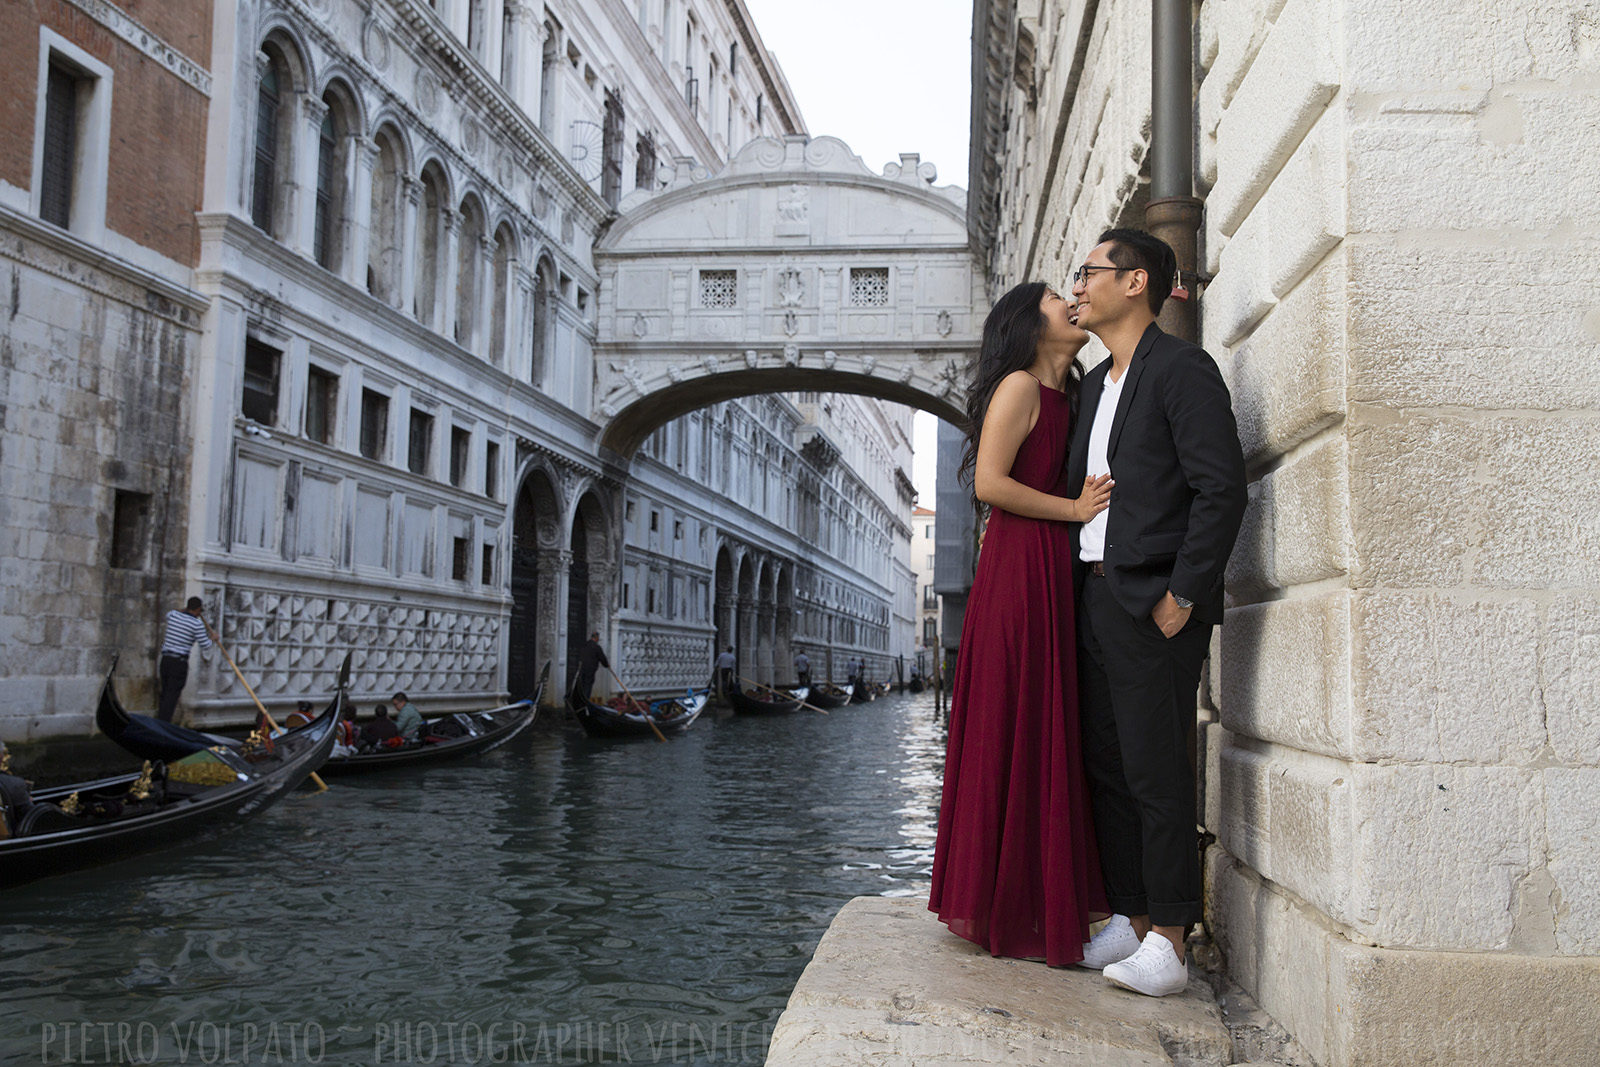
{"points": [[672, 715], [826, 695], [772, 704], [67, 827], [475, 731]]}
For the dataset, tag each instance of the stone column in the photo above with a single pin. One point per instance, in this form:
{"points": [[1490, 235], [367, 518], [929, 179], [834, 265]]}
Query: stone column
{"points": [[493, 32], [766, 628], [482, 325], [555, 565], [363, 157], [302, 200], [449, 273], [410, 204], [519, 326]]}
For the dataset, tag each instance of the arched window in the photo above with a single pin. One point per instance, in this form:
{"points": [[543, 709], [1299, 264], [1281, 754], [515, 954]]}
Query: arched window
{"points": [[261, 190], [504, 253], [323, 238], [271, 181], [430, 241], [469, 241], [385, 235]]}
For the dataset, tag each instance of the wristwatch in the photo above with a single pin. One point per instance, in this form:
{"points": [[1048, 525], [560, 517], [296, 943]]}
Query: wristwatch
{"points": [[1180, 601]]}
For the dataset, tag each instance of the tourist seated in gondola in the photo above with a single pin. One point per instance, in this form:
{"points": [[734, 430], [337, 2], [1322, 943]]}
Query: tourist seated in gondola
{"points": [[378, 732], [347, 739], [300, 716], [15, 798], [407, 719]]}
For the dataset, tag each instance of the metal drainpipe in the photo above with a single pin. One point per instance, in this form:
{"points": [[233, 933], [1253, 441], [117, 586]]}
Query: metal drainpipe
{"points": [[1173, 213]]}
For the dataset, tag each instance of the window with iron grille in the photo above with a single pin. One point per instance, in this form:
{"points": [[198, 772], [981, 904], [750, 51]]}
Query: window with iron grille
{"points": [[869, 286], [421, 450], [691, 94], [719, 288], [266, 148], [460, 555], [128, 536], [60, 144], [460, 443], [327, 151], [488, 564], [374, 423], [491, 469], [322, 395], [259, 399]]}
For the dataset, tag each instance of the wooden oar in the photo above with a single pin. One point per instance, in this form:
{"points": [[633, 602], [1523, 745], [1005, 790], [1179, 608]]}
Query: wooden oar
{"points": [[315, 777], [644, 708], [785, 696]]}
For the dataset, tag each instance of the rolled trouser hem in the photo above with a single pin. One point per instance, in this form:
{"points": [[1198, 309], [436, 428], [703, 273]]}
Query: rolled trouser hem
{"points": [[1127, 905], [1183, 913]]}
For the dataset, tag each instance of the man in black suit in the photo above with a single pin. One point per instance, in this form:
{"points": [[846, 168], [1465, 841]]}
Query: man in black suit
{"points": [[1158, 418]]}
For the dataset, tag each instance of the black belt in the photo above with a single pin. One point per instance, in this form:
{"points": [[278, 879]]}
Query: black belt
{"points": [[174, 655], [1097, 569]]}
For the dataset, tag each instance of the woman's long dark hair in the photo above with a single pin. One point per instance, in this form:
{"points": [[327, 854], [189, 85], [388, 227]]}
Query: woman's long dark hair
{"points": [[1010, 343]]}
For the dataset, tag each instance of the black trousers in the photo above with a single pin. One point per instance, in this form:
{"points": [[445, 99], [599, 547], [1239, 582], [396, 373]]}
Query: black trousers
{"points": [[1137, 691], [174, 675]]}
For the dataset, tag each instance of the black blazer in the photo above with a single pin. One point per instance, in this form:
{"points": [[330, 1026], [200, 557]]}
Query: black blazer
{"points": [[1179, 472]]}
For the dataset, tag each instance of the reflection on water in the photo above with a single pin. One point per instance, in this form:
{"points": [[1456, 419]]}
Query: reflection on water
{"points": [[559, 900]]}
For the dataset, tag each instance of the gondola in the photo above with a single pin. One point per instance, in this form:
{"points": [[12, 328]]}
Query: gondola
{"points": [[745, 704], [865, 693], [71, 826], [826, 695], [473, 732], [671, 715]]}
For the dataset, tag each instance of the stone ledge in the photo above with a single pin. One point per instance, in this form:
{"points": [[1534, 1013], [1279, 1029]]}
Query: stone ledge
{"points": [[889, 984]]}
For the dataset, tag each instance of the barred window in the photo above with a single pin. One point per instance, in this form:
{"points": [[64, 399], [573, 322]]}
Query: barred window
{"points": [[719, 289], [60, 144], [869, 286]]}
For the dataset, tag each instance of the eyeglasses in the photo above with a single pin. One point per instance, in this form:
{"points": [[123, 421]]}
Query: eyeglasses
{"points": [[1083, 272]]}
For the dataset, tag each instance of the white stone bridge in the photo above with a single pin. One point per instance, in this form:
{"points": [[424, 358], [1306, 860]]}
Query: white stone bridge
{"points": [[794, 269]]}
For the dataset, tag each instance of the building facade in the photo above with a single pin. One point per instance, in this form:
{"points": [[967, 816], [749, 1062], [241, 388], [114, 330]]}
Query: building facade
{"points": [[1401, 765], [924, 556], [339, 381], [99, 334]]}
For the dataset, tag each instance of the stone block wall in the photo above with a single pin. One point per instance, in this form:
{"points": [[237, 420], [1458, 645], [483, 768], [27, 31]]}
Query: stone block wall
{"points": [[1403, 774], [94, 365]]}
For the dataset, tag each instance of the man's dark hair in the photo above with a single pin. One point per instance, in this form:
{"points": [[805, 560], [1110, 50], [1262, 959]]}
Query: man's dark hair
{"points": [[1136, 250], [194, 604], [381, 711], [400, 696]]}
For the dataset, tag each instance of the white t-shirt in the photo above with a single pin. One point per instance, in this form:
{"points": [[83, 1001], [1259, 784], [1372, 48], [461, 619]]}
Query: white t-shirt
{"points": [[1092, 538]]}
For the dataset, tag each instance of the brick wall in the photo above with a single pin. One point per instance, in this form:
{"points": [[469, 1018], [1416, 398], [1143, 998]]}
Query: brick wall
{"points": [[158, 121]]}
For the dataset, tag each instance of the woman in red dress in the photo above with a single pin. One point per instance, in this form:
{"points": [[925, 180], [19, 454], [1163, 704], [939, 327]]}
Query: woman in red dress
{"points": [[1015, 868]]}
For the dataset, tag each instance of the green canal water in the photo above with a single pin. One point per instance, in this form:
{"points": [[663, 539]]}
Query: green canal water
{"points": [[560, 900]]}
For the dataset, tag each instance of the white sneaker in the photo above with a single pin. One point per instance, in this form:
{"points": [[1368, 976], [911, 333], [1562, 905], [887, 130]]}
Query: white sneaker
{"points": [[1115, 942], [1155, 970]]}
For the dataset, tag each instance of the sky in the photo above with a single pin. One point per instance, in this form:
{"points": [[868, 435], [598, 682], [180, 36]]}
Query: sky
{"points": [[885, 77]]}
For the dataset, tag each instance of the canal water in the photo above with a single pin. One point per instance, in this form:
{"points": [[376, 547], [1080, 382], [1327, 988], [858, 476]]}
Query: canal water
{"points": [[560, 900]]}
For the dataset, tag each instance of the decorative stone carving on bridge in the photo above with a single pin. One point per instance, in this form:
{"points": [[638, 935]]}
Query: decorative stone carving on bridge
{"points": [[874, 286]]}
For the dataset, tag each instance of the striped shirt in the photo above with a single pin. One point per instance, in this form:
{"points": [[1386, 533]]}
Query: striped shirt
{"points": [[183, 630]]}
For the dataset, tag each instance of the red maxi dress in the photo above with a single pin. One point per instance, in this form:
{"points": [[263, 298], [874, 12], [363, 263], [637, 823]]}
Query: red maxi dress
{"points": [[1015, 868]]}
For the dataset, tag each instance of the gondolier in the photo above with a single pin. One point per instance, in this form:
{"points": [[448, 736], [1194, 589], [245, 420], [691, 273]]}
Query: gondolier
{"points": [[726, 664], [591, 657], [802, 668], [184, 629]]}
